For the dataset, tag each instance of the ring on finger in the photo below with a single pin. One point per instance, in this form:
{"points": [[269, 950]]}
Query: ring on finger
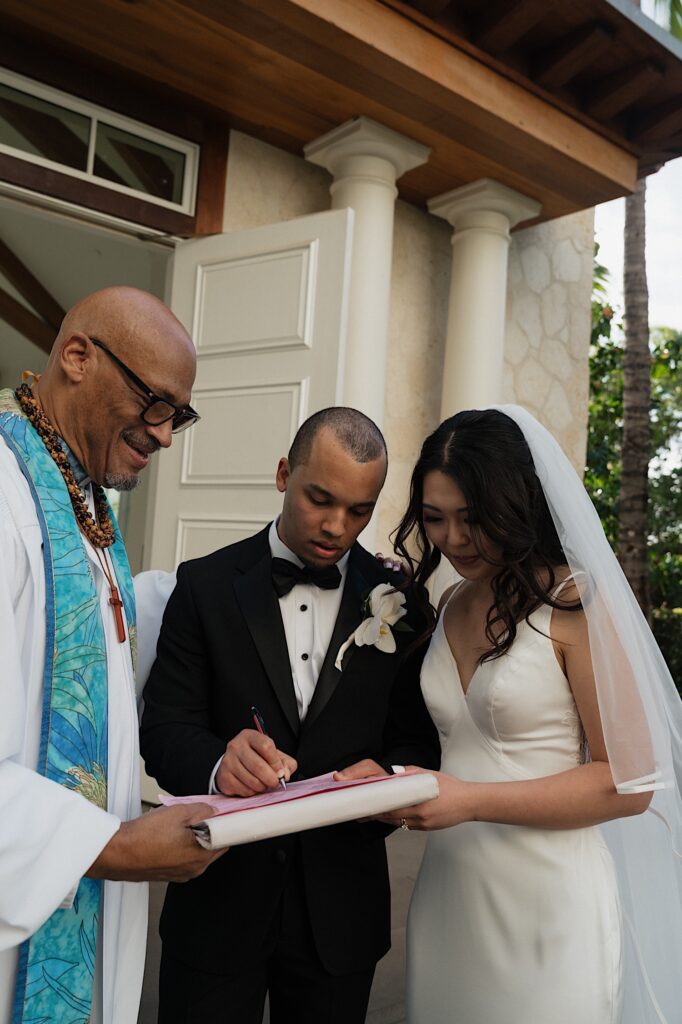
{"points": [[404, 826]]}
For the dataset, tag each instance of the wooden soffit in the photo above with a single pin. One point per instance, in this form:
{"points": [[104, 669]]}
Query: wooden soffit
{"points": [[602, 61], [287, 71]]}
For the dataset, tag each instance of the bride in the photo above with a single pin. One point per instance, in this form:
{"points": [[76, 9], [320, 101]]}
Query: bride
{"points": [[546, 894]]}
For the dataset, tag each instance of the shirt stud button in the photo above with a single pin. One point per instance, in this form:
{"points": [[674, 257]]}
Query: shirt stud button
{"points": [[304, 657], [304, 608]]}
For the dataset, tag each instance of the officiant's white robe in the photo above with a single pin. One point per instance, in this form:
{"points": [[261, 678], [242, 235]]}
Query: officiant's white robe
{"points": [[49, 836]]}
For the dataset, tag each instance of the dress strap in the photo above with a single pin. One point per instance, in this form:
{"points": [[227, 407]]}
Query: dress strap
{"points": [[453, 590], [579, 578], [557, 590]]}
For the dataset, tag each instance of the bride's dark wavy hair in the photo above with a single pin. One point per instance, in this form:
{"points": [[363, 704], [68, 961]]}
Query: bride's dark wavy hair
{"points": [[487, 456]]}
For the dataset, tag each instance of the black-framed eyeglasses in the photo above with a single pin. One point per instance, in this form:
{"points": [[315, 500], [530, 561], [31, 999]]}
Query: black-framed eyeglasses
{"points": [[159, 410]]}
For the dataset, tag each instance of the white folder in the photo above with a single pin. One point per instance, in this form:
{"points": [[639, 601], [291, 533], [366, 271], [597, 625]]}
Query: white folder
{"points": [[341, 803]]}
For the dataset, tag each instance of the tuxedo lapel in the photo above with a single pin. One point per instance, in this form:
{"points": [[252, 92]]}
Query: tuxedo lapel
{"points": [[348, 619], [260, 607]]}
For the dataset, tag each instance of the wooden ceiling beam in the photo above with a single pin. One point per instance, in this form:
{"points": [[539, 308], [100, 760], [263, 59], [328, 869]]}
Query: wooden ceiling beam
{"points": [[28, 285], [560, 63], [381, 54], [662, 121], [297, 119], [292, 69], [504, 24], [450, 21], [616, 92], [431, 7], [25, 322]]}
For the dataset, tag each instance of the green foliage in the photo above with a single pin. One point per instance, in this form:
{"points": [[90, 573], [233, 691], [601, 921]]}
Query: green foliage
{"points": [[602, 475], [672, 12]]}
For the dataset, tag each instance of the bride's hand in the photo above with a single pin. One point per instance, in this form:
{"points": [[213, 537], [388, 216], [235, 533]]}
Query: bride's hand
{"points": [[453, 805]]}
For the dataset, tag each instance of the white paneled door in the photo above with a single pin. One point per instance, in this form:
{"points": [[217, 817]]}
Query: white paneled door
{"points": [[267, 310]]}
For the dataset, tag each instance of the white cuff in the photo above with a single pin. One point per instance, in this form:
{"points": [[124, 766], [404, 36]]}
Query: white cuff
{"points": [[67, 902], [212, 787]]}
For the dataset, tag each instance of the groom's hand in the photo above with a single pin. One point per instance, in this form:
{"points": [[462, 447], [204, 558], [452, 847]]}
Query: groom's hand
{"points": [[252, 764]]}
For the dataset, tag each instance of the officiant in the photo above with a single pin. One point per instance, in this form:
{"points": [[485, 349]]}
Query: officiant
{"points": [[72, 945], [264, 622]]}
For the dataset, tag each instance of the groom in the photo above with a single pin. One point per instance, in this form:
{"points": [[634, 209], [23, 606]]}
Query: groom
{"points": [[306, 916]]}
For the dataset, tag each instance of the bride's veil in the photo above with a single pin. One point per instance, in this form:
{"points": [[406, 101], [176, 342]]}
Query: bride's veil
{"points": [[641, 715]]}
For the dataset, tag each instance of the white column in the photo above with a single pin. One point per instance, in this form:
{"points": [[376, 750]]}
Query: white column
{"points": [[482, 214], [366, 158]]}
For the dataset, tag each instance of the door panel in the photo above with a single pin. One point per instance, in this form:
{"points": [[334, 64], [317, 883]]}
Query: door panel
{"points": [[267, 311]]}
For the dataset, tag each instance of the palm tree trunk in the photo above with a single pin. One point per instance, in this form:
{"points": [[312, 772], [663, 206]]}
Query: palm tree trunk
{"points": [[632, 532]]}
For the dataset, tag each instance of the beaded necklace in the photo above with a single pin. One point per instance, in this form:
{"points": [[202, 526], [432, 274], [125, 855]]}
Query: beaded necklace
{"points": [[100, 530]]}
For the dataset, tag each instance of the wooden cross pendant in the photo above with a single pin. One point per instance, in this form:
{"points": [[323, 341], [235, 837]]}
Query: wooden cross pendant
{"points": [[116, 603]]}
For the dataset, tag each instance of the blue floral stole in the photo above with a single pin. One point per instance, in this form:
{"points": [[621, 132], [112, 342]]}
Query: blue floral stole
{"points": [[57, 964]]}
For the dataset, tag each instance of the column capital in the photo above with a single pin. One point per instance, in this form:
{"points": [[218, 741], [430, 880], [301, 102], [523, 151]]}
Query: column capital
{"points": [[483, 196], [362, 137]]}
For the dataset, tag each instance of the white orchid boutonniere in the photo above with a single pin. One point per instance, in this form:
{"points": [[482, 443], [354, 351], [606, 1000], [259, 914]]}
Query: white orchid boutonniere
{"points": [[383, 608]]}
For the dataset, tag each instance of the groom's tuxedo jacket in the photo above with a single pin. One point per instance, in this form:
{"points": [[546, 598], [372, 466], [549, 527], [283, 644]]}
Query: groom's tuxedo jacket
{"points": [[221, 650]]}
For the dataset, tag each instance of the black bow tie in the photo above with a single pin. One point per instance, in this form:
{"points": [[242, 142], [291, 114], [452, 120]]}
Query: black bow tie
{"points": [[285, 576]]}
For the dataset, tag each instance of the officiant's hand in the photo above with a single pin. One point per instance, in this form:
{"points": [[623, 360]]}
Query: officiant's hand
{"points": [[158, 846], [252, 764]]}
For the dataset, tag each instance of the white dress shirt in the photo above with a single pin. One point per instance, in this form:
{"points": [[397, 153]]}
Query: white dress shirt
{"points": [[308, 614]]}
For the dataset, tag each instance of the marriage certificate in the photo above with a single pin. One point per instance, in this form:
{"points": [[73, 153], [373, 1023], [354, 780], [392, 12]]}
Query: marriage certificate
{"points": [[310, 803]]}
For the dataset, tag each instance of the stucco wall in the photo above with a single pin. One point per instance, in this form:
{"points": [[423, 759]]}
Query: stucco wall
{"points": [[266, 185], [548, 311], [419, 308]]}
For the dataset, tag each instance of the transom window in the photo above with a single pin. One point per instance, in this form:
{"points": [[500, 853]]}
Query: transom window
{"points": [[54, 129]]}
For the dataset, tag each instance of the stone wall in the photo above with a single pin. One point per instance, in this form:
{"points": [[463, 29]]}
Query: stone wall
{"points": [[548, 327]]}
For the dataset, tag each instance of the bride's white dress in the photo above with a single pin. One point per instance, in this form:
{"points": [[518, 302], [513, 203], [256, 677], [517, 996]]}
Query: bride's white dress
{"points": [[509, 924]]}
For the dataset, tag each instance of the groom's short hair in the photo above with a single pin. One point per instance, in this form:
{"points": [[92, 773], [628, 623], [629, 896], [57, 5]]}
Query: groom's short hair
{"points": [[356, 433]]}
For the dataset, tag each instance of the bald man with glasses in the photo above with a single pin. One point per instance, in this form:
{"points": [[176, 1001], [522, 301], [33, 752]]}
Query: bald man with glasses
{"points": [[159, 409], [73, 847]]}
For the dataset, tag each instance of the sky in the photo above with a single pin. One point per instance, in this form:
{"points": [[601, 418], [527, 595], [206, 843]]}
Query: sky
{"points": [[663, 246], [663, 241]]}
